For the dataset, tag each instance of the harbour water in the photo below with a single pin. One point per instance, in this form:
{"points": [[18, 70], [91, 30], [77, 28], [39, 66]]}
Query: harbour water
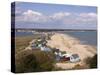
{"points": [[86, 37]]}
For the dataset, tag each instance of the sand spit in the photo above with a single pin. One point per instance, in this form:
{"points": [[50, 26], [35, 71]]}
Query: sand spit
{"points": [[71, 45]]}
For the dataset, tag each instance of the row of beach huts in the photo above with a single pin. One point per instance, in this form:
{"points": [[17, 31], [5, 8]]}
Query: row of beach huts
{"points": [[40, 44]]}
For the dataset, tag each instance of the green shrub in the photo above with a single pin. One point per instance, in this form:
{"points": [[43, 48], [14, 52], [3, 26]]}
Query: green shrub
{"points": [[92, 62], [63, 52], [34, 61]]}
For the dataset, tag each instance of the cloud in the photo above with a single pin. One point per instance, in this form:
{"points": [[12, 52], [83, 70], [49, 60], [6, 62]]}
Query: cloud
{"points": [[60, 15], [93, 15], [87, 18], [31, 13], [31, 16], [59, 19]]}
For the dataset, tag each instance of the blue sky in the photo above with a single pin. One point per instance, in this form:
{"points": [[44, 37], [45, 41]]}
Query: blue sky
{"points": [[37, 15]]}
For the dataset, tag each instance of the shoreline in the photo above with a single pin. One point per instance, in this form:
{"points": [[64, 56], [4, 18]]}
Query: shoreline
{"points": [[65, 42], [79, 35], [71, 45]]}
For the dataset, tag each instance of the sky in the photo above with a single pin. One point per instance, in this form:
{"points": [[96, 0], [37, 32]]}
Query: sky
{"points": [[55, 16]]}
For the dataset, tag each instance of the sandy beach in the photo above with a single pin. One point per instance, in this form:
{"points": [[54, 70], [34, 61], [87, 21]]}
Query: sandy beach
{"points": [[71, 45]]}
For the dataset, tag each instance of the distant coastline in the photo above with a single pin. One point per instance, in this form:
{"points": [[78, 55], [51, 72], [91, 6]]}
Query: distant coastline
{"points": [[46, 30]]}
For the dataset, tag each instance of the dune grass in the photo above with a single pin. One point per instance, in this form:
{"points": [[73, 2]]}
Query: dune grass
{"points": [[22, 42]]}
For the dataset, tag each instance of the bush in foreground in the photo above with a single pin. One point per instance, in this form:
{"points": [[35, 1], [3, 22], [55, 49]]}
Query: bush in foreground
{"points": [[34, 61], [92, 62]]}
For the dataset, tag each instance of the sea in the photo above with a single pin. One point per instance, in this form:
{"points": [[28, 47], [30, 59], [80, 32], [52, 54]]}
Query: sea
{"points": [[86, 37]]}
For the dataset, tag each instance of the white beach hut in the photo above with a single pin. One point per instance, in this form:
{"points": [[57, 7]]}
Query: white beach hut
{"points": [[74, 58], [45, 49]]}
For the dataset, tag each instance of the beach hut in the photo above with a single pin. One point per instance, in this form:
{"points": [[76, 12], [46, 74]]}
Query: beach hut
{"points": [[74, 58], [39, 45], [34, 46], [65, 57], [43, 48], [70, 57], [58, 55]]}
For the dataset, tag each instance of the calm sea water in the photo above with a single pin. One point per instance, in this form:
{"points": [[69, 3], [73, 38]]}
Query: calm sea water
{"points": [[86, 37], [23, 34]]}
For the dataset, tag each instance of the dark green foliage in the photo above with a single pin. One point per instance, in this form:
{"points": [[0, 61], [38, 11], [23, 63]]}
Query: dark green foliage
{"points": [[63, 52], [45, 60], [55, 50], [25, 62], [92, 62], [34, 61]]}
